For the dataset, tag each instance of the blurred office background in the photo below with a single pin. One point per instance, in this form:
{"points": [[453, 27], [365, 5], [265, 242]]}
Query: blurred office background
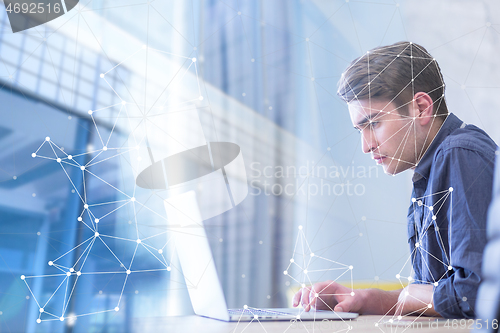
{"points": [[267, 72]]}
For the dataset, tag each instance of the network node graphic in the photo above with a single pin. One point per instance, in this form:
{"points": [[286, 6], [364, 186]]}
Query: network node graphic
{"points": [[310, 267], [169, 156], [431, 206]]}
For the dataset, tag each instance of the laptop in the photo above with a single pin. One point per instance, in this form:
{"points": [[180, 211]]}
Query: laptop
{"points": [[204, 288]]}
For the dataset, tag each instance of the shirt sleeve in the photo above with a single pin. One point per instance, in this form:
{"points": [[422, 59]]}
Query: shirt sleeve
{"points": [[468, 174]]}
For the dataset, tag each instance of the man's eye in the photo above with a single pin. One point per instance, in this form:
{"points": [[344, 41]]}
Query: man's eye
{"points": [[374, 124]]}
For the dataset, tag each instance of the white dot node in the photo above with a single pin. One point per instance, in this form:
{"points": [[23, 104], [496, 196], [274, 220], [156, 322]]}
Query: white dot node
{"points": [[431, 208], [436, 284], [68, 274], [70, 157], [169, 268], [58, 160], [360, 234], [27, 297], [437, 228], [398, 276], [78, 273], [400, 317], [261, 242], [391, 320], [253, 60], [450, 268], [413, 199], [376, 278], [417, 244], [300, 227], [117, 309], [51, 263], [221, 240], [104, 148], [33, 155], [451, 189], [303, 285], [160, 251], [376, 324], [307, 39], [38, 233], [352, 293], [429, 306], [71, 270], [488, 24], [90, 112], [47, 138], [123, 102], [38, 321], [407, 293], [243, 276], [312, 79], [285, 272], [410, 278], [419, 202], [128, 271], [102, 75], [193, 59], [298, 317], [268, 296], [79, 219], [312, 254], [351, 267], [328, 148], [61, 318], [363, 218], [239, 13], [23, 277], [96, 220], [138, 241], [82, 168], [305, 271], [86, 206], [434, 217], [96, 234], [464, 299], [255, 316], [132, 199], [245, 306], [316, 295], [200, 98], [291, 260]]}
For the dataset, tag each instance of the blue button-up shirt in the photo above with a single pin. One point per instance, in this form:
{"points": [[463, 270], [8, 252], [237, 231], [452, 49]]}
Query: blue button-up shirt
{"points": [[452, 187]]}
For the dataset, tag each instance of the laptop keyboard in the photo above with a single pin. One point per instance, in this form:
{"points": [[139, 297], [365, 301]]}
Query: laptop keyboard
{"points": [[258, 312]]}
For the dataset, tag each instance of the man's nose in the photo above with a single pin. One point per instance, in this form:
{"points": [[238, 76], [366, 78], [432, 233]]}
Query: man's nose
{"points": [[368, 142]]}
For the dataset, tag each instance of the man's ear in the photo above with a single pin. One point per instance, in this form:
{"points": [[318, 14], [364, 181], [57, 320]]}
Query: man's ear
{"points": [[424, 108]]}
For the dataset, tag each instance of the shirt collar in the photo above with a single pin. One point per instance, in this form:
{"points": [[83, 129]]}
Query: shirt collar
{"points": [[450, 124]]}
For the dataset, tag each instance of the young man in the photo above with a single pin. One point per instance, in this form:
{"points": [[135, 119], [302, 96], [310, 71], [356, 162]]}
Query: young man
{"points": [[395, 96]]}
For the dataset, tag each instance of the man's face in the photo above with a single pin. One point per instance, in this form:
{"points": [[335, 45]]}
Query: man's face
{"points": [[385, 133]]}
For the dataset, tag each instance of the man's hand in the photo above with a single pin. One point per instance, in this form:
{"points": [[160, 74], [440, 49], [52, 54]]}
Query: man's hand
{"points": [[329, 295], [417, 298]]}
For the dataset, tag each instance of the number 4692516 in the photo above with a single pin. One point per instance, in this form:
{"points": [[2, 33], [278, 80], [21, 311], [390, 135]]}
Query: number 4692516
{"points": [[33, 8]]}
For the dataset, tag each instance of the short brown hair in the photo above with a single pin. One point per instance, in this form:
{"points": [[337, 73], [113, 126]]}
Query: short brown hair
{"points": [[395, 72]]}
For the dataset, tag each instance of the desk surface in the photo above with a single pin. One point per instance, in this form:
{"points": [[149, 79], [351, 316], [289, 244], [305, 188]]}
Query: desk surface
{"points": [[188, 324]]}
